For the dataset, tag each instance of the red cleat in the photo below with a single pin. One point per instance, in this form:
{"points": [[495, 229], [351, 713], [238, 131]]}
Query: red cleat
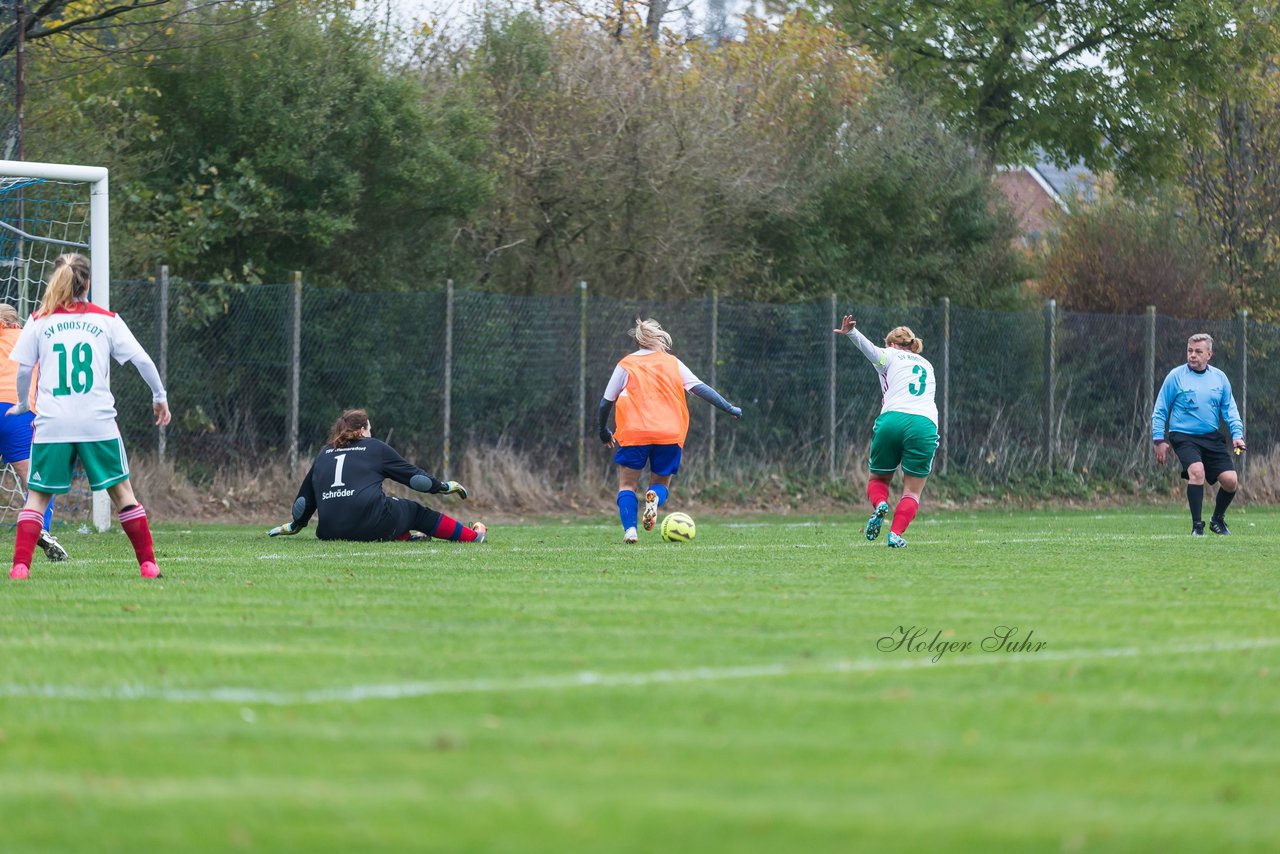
{"points": [[150, 570], [19, 571]]}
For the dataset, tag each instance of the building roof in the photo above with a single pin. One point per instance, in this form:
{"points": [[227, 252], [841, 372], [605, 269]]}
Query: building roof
{"points": [[1074, 180]]}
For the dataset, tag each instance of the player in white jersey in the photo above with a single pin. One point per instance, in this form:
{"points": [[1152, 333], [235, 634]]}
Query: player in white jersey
{"points": [[906, 433], [73, 341]]}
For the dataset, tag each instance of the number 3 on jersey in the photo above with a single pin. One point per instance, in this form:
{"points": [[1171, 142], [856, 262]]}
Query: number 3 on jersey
{"points": [[917, 388], [81, 369]]}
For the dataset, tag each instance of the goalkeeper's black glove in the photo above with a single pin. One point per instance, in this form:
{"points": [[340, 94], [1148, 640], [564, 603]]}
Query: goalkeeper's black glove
{"points": [[285, 530], [452, 487]]}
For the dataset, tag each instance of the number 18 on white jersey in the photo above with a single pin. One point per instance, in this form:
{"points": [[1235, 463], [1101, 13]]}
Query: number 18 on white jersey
{"points": [[72, 349]]}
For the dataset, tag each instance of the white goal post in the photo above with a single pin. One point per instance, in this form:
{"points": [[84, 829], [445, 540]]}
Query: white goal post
{"points": [[47, 209]]}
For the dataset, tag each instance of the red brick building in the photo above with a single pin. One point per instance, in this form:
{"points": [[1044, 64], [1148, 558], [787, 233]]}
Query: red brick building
{"points": [[1038, 191]]}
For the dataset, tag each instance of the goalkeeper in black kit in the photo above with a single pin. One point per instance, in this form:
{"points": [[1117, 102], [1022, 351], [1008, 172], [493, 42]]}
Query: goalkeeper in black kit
{"points": [[345, 486]]}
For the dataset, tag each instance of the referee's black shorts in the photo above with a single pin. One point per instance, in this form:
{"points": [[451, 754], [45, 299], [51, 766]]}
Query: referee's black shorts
{"points": [[1208, 448]]}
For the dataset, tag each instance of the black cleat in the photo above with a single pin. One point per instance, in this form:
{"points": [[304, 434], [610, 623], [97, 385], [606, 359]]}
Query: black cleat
{"points": [[1197, 529], [1219, 526]]}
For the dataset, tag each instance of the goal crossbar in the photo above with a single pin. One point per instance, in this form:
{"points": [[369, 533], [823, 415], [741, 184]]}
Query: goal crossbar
{"points": [[99, 207]]}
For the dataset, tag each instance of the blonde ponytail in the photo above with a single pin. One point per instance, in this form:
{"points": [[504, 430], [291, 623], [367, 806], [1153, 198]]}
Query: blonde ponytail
{"points": [[68, 284], [650, 335], [903, 336]]}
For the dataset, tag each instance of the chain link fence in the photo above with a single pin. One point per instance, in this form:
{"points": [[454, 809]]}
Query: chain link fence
{"points": [[447, 370]]}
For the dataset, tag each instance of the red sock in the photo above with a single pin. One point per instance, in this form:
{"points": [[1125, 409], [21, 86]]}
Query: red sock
{"points": [[24, 544], [903, 514], [452, 529], [877, 491], [134, 521]]}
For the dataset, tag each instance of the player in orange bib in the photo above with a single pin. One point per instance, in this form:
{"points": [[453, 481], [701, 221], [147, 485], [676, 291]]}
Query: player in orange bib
{"points": [[652, 421], [16, 432]]}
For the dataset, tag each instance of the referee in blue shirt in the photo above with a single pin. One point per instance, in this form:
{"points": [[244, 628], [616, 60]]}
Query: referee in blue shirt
{"points": [[1194, 399]]}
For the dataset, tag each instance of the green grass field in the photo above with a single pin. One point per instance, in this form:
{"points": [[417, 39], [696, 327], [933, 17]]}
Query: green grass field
{"points": [[553, 690]]}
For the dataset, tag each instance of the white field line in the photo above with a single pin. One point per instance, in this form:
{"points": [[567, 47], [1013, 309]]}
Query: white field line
{"points": [[1093, 536], [589, 679]]}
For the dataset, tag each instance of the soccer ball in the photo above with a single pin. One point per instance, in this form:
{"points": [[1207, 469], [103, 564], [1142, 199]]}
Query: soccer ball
{"points": [[678, 528]]}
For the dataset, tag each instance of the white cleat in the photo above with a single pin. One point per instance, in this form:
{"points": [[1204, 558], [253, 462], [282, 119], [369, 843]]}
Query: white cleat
{"points": [[650, 509], [53, 549], [629, 537]]}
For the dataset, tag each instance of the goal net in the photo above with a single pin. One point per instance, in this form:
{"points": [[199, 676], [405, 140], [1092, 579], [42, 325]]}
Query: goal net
{"points": [[47, 209]]}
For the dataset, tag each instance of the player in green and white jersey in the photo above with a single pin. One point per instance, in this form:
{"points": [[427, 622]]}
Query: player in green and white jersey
{"points": [[73, 342], [906, 433]]}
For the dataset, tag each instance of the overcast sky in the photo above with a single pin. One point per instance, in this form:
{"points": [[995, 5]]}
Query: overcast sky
{"points": [[451, 13]]}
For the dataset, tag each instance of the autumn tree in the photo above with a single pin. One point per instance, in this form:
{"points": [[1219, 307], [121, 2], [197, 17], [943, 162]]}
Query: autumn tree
{"points": [[665, 169], [53, 18], [905, 211], [1234, 177], [43, 44], [1106, 82], [631, 166], [291, 143], [1118, 254]]}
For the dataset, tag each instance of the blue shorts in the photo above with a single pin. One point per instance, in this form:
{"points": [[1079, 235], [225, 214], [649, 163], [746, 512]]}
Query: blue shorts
{"points": [[15, 435], [662, 459]]}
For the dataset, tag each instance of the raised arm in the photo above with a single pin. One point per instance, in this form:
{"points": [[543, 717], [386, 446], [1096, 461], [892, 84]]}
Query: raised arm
{"points": [[875, 355]]}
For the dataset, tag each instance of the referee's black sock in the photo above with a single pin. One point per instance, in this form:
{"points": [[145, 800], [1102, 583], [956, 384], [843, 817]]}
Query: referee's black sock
{"points": [[1222, 502], [1195, 500]]}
